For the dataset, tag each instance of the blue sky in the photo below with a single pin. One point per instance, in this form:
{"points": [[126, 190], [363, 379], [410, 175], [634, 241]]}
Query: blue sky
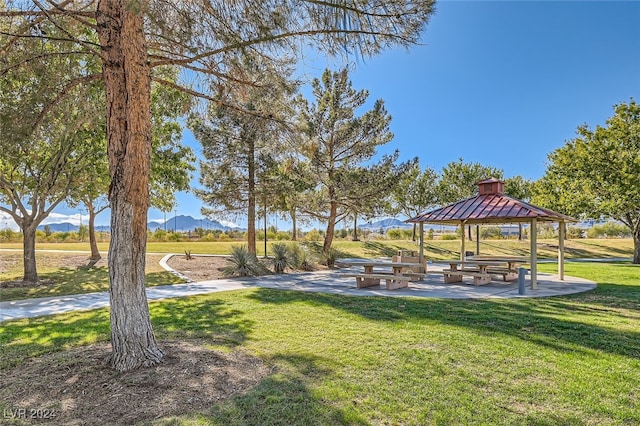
{"points": [[502, 83]]}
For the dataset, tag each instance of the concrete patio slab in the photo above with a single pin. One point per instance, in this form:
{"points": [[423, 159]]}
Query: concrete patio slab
{"points": [[326, 281]]}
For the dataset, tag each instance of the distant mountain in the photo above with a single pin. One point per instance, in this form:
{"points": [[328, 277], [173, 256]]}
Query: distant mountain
{"points": [[392, 223], [386, 224], [155, 225], [180, 223], [187, 223], [60, 227]]}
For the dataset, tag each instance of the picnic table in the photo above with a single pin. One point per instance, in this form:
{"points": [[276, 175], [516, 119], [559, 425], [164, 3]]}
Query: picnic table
{"points": [[508, 267], [512, 261], [396, 274], [481, 269]]}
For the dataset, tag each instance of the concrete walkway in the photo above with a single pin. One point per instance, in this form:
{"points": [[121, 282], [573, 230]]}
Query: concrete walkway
{"points": [[333, 281]]}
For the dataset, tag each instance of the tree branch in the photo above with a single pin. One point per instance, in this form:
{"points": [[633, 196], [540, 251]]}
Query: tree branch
{"points": [[354, 10], [84, 43], [25, 14], [271, 38], [220, 102], [63, 93], [42, 56]]}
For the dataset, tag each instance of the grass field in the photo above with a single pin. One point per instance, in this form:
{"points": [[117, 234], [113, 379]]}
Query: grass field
{"points": [[435, 249], [571, 360]]}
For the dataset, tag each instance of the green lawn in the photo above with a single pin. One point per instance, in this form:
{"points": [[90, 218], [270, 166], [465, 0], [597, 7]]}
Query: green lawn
{"points": [[435, 249], [571, 360]]}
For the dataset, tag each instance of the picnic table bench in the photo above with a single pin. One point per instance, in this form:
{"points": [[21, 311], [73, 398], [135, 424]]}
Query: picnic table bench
{"points": [[478, 269], [507, 265], [398, 277]]}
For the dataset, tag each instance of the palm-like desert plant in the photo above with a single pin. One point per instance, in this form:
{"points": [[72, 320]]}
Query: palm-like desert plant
{"points": [[299, 258], [280, 259], [243, 263], [330, 256]]}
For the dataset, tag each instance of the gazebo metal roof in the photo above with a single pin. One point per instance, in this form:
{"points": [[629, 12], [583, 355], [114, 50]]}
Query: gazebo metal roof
{"points": [[489, 208]]}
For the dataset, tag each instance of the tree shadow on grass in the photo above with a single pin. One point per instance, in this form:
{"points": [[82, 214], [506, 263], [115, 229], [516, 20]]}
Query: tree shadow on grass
{"points": [[609, 250], [30, 337], [535, 320], [316, 250], [506, 251], [215, 320], [440, 251], [374, 248], [284, 398]]}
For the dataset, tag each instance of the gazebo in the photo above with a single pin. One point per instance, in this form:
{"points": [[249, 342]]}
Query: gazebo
{"points": [[491, 205]]}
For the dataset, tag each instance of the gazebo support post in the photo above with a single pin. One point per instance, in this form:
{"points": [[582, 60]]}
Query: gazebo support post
{"points": [[534, 253], [421, 249], [561, 236], [462, 242]]}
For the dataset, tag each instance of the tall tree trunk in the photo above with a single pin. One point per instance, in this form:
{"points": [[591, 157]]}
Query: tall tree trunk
{"points": [[95, 253], [355, 227], [251, 210], [414, 233], [294, 221], [127, 79], [331, 225], [29, 251], [519, 231], [636, 244]]}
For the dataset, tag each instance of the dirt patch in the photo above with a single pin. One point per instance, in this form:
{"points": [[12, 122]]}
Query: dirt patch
{"points": [[76, 387], [200, 268], [44, 260]]}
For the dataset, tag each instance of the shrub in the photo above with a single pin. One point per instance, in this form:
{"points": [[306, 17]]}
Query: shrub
{"points": [[491, 232], [9, 235], [574, 232], [449, 236], [330, 257], [547, 231], [395, 234], [313, 235], [271, 235], [283, 236], [280, 259], [299, 258], [609, 230], [243, 263], [208, 237]]}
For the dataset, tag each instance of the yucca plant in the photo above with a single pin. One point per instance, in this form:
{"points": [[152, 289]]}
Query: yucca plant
{"points": [[330, 257], [299, 258], [280, 259], [243, 263]]}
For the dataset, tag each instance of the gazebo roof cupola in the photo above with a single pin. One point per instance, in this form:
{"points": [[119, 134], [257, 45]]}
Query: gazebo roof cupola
{"points": [[490, 186]]}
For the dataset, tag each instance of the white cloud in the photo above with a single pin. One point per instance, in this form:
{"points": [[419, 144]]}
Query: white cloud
{"points": [[229, 223], [74, 219], [6, 221]]}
